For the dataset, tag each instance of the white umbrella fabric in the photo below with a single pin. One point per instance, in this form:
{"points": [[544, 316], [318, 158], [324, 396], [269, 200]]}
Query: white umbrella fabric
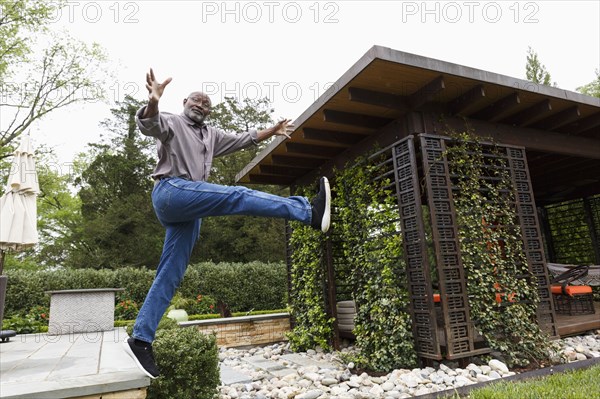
{"points": [[18, 208], [18, 213]]}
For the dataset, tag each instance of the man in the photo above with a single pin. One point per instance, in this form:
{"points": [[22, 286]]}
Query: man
{"points": [[181, 197]]}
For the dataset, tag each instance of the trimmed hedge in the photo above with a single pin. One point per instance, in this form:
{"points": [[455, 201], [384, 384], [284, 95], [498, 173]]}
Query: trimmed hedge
{"points": [[189, 364], [242, 286]]}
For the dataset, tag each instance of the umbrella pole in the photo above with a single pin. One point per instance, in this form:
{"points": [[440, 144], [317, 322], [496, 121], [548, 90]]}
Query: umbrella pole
{"points": [[1, 261]]}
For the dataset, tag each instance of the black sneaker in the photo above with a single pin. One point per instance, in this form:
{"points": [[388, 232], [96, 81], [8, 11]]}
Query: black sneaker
{"points": [[141, 353], [321, 206]]}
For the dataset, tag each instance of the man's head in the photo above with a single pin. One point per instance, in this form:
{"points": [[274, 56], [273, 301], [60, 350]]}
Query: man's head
{"points": [[197, 106]]}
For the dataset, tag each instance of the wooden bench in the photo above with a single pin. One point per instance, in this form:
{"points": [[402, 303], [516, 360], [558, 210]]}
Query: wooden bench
{"points": [[83, 310]]}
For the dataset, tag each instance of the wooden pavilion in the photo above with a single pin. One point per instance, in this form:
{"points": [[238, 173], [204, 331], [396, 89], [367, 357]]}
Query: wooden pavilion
{"points": [[404, 104]]}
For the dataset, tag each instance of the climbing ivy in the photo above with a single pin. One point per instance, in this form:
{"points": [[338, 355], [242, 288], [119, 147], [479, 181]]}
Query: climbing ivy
{"points": [[502, 291], [372, 247], [312, 326]]}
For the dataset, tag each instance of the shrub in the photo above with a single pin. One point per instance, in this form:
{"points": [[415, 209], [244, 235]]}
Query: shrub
{"points": [[189, 365], [126, 310], [242, 286], [203, 304], [34, 321]]}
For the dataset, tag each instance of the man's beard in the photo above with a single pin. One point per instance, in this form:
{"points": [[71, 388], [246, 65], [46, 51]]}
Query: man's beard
{"points": [[197, 117]]}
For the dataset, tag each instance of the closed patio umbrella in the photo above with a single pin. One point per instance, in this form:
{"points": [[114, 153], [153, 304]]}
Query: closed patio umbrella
{"points": [[18, 210]]}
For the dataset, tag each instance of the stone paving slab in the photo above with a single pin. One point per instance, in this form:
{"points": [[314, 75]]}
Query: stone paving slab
{"points": [[259, 362], [307, 362], [283, 372], [74, 387], [41, 366], [231, 376]]}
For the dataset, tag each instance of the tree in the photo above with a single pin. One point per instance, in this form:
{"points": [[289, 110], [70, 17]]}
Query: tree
{"points": [[118, 226], [535, 70], [240, 238], [59, 210], [233, 116], [592, 88], [67, 71], [18, 18]]}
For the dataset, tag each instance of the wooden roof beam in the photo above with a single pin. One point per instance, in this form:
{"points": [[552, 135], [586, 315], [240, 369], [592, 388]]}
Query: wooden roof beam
{"points": [[559, 119], [302, 162], [426, 93], [499, 108], [330, 136], [533, 139], [348, 118], [291, 171], [595, 131], [267, 179], [587, 123], [467, 99], [530, 114], [378, 98], [313, 150]]}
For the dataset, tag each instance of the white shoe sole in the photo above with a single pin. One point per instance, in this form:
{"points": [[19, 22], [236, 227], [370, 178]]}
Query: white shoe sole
{"points": [[132, 355], [326, 221]]}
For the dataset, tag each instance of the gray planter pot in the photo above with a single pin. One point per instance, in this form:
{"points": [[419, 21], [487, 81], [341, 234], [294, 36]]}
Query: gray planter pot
{"points": [[3, 281], [6, 334]]}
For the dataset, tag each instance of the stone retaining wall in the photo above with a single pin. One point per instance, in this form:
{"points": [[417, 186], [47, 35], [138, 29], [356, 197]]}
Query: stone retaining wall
{"points": [[246, 330]]}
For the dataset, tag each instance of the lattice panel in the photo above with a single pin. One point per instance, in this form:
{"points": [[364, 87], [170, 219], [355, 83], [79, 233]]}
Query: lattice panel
{"points": [[532, 236], [453, 289], [342, 269], [418, 268], [574, 228], [593, 206]]}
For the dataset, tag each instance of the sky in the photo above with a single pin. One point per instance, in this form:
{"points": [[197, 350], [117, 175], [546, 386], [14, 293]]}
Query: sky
{"points": [[290, 51]]}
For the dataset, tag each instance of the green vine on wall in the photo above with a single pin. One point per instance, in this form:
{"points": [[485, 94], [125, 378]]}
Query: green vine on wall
{"points": [[366, 217], [502, 291], [312, 326], [372, 246]]}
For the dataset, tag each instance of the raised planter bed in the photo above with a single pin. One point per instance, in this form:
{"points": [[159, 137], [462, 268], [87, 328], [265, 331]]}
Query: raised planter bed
{"points": [[245, 330]]}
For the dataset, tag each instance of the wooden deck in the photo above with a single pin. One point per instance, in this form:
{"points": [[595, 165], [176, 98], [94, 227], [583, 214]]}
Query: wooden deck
{"points": [[572, 325]]}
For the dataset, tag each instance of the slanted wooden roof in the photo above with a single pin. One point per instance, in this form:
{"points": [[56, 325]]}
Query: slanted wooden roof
{"points": [[559, 128]]}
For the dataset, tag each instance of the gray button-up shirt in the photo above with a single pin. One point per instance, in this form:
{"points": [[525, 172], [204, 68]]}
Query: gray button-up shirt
{"points": [[186, 149]]}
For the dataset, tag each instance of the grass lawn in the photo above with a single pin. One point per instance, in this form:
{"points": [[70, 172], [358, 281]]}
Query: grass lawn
{"points": [[575, 384]]}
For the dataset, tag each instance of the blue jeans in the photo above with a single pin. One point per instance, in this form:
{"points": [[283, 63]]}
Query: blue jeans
{"points": [[179, 205]]}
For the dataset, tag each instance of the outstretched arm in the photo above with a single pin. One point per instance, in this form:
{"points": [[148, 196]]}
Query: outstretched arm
{"points": [[155, 92], [281, 128]]}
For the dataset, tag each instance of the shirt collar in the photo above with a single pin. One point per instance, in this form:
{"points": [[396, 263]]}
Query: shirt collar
{"points": [[190, 122]]}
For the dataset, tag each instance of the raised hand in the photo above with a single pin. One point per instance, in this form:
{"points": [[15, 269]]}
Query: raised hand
{"points": [[155, 89], [283, 128]]}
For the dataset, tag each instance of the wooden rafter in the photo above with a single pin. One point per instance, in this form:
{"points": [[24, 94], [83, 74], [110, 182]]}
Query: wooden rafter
{"points": [[532, 139], [268, 179], [284, 160], [426, 93], [283, 170], [349, 118], [583, 125], [313, 150], [466, 100], [559, 119], [499, 108], [530, 114], [378, 98], [331, 136]]}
